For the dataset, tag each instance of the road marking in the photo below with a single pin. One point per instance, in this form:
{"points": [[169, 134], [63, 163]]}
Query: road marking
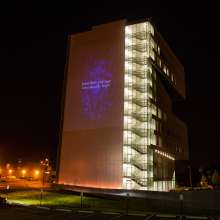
{"points": [[86, 211], [64, 210], [196, 217], [165, 216], [136, 214], [111, 213], [41, 207]]}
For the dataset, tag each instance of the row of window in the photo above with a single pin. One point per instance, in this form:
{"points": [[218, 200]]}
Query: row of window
{"points": [[139, 28], [165, 69], [130, 170], [164, 154]]}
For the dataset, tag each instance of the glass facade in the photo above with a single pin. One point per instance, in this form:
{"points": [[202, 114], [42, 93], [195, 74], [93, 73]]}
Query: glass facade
{"points": [[140, 111]]}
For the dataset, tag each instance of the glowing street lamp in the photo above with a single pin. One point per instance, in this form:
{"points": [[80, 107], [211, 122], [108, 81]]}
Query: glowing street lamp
{"points": [[23, 172], [36, 173], [10, 171]]}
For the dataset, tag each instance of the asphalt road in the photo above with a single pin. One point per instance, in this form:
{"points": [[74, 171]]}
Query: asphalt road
{"points": [[26, 213], [22, 184]]}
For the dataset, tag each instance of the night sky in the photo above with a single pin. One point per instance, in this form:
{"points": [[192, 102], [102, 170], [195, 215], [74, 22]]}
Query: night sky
{"points": [[33, 43]]}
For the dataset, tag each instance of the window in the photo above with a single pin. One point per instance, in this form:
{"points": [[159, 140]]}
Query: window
{"points": [[158, 49]]}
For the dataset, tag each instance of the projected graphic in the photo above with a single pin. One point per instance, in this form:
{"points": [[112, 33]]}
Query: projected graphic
{"points": [[95, 90]]}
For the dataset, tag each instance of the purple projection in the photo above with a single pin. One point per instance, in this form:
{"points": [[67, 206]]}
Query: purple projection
{"points": [[95, 89]]}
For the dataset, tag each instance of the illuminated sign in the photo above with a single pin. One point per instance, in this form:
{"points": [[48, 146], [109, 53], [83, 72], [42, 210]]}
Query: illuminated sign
{"points": [[96, 84], [95, 89]]}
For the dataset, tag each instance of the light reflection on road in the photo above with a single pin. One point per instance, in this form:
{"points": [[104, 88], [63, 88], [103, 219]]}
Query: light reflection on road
{"points": [[22, 184]]}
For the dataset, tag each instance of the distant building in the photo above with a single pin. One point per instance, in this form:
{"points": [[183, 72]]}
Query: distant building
{"points": [[119, 129]]}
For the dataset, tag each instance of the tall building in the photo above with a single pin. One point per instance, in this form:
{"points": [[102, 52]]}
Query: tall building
{"points": [[118, 129]]}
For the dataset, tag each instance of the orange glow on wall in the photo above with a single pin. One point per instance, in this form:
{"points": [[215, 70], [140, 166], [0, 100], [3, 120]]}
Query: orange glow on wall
{"points": [[93, 185], [91, 149]]}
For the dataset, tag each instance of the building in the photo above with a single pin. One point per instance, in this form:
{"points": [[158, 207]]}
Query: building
{"points": [[118, 129]]}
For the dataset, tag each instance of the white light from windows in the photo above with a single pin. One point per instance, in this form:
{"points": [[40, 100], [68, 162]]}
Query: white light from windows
{"points": [[128, 30], [164, 154]]}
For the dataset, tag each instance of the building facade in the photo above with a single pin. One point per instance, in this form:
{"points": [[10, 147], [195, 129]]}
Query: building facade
{"points": [[119, 129]]}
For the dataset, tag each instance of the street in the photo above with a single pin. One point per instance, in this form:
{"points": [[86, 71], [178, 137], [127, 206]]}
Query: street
{"points": [[16, 183]]}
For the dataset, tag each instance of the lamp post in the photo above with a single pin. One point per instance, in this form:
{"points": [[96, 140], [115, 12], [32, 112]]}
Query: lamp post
{"points": [[42, 163], [181, 197], [81, 196], [190, 176], [42, 186]]}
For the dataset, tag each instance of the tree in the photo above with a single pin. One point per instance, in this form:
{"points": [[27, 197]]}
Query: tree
{"points": [[216, 178]]}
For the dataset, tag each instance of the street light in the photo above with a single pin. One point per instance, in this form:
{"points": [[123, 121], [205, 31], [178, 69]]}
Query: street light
{"points": [[36, 173], [44, 167], [10, 171], [23, 172]]}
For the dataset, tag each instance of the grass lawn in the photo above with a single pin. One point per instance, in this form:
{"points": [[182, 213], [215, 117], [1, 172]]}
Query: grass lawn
{"points": [[54, 199], [115, 204], [48, 198]]}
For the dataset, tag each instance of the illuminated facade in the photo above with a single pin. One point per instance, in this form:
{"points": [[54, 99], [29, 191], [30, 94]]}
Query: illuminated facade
{"points": [[128, 93]]}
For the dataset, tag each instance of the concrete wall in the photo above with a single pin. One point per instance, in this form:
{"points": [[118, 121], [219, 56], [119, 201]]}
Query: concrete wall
{"points": [[91, 148]]}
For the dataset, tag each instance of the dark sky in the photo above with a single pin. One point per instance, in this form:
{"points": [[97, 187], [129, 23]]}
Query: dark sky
{"points": [[32, 52]]}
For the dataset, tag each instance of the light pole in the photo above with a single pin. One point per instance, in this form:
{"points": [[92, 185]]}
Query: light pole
{"points": [[181, 203], [42, 181], [41, 190], [190, 176], [81, 196], [41, 195]]}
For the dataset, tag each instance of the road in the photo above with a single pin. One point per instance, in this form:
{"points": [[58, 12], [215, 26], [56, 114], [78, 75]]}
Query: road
{"points": [[60, 214], [22, 184]]}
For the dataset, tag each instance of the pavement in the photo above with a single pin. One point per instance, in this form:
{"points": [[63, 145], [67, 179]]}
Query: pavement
{"points": [[44, 213]]}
